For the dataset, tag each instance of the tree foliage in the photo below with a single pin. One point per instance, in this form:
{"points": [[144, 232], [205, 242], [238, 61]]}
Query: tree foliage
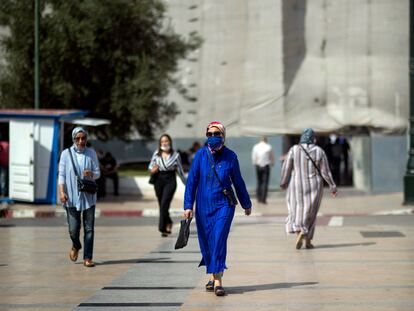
{"points": [[114, 58]]}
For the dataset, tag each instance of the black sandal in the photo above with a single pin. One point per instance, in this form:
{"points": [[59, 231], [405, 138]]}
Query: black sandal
{"points": [[219, 291], [210, 286]]}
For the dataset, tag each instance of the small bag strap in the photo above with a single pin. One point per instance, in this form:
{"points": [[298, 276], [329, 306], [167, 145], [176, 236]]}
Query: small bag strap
{"points": [[73, 163], [313, 162], [213, 167]]}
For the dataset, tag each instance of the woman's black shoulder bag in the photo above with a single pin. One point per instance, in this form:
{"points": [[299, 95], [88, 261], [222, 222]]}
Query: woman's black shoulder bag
{"points": [[153, 177], [84, 184]]}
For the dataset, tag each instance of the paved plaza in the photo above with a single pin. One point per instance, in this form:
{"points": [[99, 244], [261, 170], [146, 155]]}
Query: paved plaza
{"points": [[363, 260]]}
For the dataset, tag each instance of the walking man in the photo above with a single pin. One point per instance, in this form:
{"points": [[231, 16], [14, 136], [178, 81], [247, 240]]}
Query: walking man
{"points": [[263, 159]]}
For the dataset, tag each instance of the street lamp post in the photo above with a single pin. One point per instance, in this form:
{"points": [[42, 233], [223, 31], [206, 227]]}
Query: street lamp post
{"points": [[36, 54], [409, 175]]}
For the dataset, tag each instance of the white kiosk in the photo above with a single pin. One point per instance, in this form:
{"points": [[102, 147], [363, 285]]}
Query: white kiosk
{"points": [[35, 139]]}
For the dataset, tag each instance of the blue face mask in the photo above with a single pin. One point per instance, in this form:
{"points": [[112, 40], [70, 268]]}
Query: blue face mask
{"points": [[215, 143]]}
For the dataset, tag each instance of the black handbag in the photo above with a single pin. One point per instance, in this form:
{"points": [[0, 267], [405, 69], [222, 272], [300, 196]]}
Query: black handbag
{"points": [[228, 192], [84, 184], [231, 197], [153, 178], [87, 185], [184, 233]]}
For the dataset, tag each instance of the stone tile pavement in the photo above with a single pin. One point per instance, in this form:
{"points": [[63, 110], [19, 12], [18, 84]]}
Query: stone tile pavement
{"points": [[363, 261]]}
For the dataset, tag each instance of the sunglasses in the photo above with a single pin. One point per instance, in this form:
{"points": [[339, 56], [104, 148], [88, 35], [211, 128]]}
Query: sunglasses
{"points": [[215, 134], [83, 138]]}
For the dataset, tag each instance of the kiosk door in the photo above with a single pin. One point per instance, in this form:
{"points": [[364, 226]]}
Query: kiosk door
{"points": [[22, 144]]}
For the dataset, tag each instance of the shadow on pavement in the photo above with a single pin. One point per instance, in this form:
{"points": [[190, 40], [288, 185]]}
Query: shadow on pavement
{"points": [[122, 198], [261, 287], [128, 261], [344, 245]]}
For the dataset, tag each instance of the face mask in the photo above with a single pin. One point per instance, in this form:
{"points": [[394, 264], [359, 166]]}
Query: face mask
{"points": [[166, 148], [215, 143]]}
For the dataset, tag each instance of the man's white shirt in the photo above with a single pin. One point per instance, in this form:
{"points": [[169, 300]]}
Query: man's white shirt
{"points": [[262, 154]]}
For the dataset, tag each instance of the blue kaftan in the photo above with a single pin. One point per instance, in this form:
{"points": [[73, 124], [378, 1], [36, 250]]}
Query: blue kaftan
{"points": [[213, 212]]}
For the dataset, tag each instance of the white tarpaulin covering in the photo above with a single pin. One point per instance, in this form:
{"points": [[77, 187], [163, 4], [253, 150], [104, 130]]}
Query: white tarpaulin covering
{"points": [[273, 66], [90, 121]]}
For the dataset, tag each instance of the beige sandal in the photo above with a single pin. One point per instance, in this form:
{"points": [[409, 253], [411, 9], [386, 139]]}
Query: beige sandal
{"points": [[308, 244], [88, 263], [73, 254], [219, 291], [299, 240]]}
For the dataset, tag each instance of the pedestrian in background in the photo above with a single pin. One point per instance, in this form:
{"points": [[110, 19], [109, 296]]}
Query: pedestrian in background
{"points": [[76, 203], [4, 168], [111, 171], [101, 180], [193, 150], [263, 159], [303, 172], [213, 171], [165, 163], [336, 150]]}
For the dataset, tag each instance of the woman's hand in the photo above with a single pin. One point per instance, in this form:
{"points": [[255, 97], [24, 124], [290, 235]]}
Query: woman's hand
{"points": [[154, 169], [247, 211], [87, 173], [188, 213], [284, 187], [63, 197], [334, 193]]}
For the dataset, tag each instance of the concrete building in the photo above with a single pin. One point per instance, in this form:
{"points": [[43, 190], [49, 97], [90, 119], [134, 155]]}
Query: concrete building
{"points": [[273, 67]]}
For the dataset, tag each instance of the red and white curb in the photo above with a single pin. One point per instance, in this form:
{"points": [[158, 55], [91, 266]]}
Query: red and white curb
{"points": [[336, 221], [324, 220], [31, 213], [404, 211], [150, 212]]}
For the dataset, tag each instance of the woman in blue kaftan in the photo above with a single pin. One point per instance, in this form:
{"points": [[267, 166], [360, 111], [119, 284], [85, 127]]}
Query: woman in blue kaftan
{"points": [[214, 212]]}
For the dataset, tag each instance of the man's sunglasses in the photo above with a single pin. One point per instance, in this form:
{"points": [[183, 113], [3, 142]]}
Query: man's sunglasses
{"points": [[215, 134]]}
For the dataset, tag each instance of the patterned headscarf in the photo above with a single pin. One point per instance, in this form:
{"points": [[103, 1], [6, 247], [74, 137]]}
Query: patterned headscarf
{"points": [[78, 130], [308, 136], [218, 125]]}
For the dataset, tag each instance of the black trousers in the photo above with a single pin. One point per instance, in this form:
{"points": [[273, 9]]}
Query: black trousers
{"points": [[165, 187], [263, 174], [115, 178]]}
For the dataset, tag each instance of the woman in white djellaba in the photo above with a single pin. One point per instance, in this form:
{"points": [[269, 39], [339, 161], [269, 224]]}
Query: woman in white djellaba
{"points": [[303, 172]]}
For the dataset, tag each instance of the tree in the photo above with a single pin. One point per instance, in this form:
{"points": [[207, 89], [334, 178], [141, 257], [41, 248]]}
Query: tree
{"points": [[114, 58]]}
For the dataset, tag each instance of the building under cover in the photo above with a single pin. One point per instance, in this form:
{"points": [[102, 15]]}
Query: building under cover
{"points": [[273, 67]]}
